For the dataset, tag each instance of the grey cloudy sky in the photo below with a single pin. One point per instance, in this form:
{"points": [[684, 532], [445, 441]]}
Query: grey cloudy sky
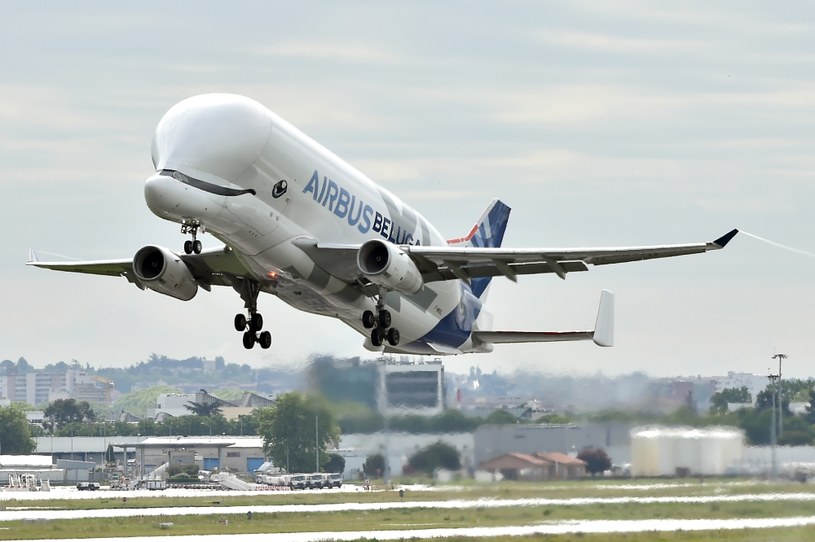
{"points": [[599, 123]]}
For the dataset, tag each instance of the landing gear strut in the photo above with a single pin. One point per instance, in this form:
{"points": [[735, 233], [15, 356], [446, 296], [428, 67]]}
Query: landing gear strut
{"points": [[379, 323], [191, 227], [251, 326]]}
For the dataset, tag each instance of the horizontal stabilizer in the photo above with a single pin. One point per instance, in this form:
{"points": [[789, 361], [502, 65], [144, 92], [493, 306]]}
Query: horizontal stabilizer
{"points": [[602, 335]]}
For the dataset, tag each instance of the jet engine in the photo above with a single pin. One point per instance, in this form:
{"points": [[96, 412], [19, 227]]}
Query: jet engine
{"points": [[386, 265], [163, 271]]}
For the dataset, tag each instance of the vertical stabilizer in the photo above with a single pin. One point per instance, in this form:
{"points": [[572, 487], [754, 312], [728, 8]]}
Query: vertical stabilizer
{"points": [[487, 232]]}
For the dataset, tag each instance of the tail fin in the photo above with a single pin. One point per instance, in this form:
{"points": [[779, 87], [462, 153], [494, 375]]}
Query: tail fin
{"points": [[487, 232]]}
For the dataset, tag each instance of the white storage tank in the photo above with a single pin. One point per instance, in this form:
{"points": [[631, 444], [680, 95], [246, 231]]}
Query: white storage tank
{"points": [[666, 451]]}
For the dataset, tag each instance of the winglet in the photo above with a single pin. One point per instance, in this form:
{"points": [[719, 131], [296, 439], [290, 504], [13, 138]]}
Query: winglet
{"points": [[604, 326], [722, 241], [32, 256]]}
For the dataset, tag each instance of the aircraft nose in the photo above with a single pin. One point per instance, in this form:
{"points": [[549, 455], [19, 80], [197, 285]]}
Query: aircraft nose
{"points": [[172, 199], [160, 194], [218, 135]]}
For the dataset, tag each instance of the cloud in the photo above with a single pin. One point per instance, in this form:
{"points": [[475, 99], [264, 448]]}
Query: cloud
{"points": [[344, 52], [611, 44]]}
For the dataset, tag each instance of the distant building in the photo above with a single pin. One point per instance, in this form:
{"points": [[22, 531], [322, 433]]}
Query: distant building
{"points": [[238, 454], [176, 404], [38, 387], [753, 382], [41, 467], [670, 451], [406, 388], [536, 467], [494, 440]]}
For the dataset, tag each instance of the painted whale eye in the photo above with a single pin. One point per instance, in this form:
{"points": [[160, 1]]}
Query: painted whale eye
{"points": [[279, 188]]}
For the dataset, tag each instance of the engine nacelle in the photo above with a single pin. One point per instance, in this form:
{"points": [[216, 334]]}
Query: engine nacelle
{"points": [[386, 265], [164, 272]]}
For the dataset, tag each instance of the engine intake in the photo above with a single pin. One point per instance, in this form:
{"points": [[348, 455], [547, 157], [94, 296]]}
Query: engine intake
{"points": [[163, 271], [386, 265]]}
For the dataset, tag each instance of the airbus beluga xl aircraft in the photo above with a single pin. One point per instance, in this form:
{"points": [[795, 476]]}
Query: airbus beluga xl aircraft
{"points": [[300, 223]]}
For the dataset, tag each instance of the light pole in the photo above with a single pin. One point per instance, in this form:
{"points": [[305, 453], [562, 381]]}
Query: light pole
{"points": [[780, 358], [773, 434]]}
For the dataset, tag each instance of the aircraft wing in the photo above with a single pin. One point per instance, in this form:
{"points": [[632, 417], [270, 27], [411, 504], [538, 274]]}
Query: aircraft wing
{"points": [[211, 267], [444, 263], [463, 262]]}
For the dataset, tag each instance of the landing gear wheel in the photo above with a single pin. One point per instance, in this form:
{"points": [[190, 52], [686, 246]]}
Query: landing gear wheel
{"points": [[384, 319], [191, 226], [393, 336], [376, 337], [265, 340], [257, 322], [249, 340], [368, 319], [240, 322]]}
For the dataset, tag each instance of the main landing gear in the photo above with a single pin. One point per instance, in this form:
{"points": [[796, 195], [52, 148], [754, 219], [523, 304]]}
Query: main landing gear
{"points": [[191, 227], [380, 324], [251, 326]]}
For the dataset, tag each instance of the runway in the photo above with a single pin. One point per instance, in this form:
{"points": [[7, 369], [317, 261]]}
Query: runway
{"points": [[542, 528], [124, 511], [565, 527]]}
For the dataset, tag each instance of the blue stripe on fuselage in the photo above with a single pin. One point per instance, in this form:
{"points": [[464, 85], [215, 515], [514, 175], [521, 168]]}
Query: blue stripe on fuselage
{"points": [[455, 328]]}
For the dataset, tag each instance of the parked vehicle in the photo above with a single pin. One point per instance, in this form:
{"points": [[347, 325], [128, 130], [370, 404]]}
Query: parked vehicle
{"points": [[333, 479], [316, 481], [273, 480], [298, 481]]}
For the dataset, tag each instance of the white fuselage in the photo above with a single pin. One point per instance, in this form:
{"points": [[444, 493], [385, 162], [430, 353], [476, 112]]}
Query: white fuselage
{"points": [[264, 189]]}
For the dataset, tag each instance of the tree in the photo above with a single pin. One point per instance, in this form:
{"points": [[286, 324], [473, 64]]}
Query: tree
{"points": [[336, 463], [435, 456], [719, 400], [554, 418], [501, 417], [374, 465], [810, 408], [63, 412], [142, 402], [452, 421], [756, 425], [289, 428], [795, 438], [597, 460], [15, 434], [204, 409]]}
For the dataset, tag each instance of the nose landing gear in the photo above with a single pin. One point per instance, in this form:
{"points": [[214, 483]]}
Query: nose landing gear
{"points": [[191, 227]]}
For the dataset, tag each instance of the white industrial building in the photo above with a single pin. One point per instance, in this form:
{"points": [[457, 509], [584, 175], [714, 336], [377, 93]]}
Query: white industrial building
{"points": [[669, 451]]}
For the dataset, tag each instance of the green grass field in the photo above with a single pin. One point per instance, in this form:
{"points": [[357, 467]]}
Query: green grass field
{"points": [[418, 517]]}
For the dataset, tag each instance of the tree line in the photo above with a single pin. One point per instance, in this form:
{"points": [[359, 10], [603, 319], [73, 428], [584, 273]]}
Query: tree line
{"points": [[299, 428]]}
